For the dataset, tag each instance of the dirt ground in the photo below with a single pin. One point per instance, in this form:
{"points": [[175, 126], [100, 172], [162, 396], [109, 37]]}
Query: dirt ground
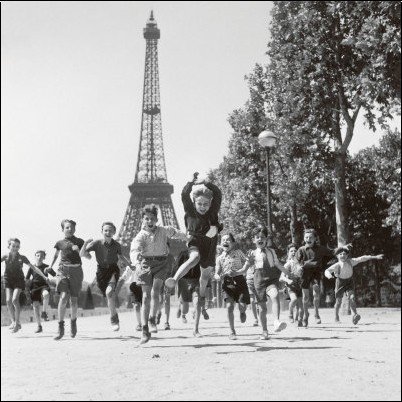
{"points": [[323, 362]]}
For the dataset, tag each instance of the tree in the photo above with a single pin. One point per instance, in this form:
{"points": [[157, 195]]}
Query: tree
{"points": [[89, 303]]}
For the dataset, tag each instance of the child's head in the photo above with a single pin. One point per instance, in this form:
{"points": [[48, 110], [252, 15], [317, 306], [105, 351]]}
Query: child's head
{"points": [[228, 241], [40, 257], [68, 227], [342, 253], [292, 249], [108, 229], [149, 216], [310, 237], [261, 237], [202, 199], [14, 245]]}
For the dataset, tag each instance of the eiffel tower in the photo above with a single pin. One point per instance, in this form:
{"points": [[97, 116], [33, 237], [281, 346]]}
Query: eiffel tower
{"points": [[150, 183]]}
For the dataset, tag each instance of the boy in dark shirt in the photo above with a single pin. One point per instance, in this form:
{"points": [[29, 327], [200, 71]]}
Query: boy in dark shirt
{"points": [[69, 275]]}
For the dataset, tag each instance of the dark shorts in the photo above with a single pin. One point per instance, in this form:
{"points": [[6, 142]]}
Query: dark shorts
{"points": [[263, 283], [236, 289], [69, 279], [207, 249], [136, 292], [187, 287], [296, 289], [14, 283], [310, 276], [36, 291], [343, 285], [152, 268], [104, 277], [251, 289]]}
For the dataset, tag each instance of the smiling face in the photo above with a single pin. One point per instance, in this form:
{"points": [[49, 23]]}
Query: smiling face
{"points": [[227, 243], [309, 238], [39, 257], [342, 256], [14, 247], [68, 229], [108, 231], [292, 253], [202, 204], [260, 240], [149, 221]]}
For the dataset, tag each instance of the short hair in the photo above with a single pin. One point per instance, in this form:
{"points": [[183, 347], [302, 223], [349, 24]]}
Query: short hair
{"points": [[41, 252], [109, 224], [150, 209], [310, 230], [291, 245], [13, 240], [261, 230], [64, 221], [231, 237], [203, 192], [341, 249]]}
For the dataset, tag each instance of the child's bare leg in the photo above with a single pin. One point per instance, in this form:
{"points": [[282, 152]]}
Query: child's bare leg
{"points": [[352, 302], [263, 315], [74, 307], [276, 308], [137, 309], [167, 307], [146, 303], [338, 303], [111, 301], [292, 304], [10, 306], [230, 310], [185, 307], [36, 309], [316, 294], [193, 259], [306, 301], [299, 306], [205, 275], [61, 308], [155, 296], [16, 304], [45, 297], [253, 307], [197, 307]]}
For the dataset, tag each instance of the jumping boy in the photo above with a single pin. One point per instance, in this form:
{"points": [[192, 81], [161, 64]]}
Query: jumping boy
{"points": [[14, 281], [150, 248], [69, 275], [343, 272]]}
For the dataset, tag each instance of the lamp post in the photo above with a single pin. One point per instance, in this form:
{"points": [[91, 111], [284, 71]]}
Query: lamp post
{"points": [[267, 139]]}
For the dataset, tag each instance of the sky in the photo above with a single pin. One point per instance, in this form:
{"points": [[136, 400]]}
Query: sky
{"points": [[71, 98]]}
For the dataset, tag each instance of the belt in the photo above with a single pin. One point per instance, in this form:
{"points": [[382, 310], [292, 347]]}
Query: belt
{"points": [[156, 258]]}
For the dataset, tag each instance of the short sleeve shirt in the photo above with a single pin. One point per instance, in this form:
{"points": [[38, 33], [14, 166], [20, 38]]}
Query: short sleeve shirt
{"points": [[14, 266], [105, 253], [36, 278], [315, 253], [67, 254], [232, 262]]}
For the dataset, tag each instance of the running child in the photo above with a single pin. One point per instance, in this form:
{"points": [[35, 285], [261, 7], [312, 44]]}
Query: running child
{"points": [[293, 279], [343, 272], [69, 275], [150, 248], [107, 253], [14, 281], [266, 278], [39, 288], [201, 219], [231, 263]]}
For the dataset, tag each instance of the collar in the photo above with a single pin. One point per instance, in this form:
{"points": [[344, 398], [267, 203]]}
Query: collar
{"points": [[105, 243]]}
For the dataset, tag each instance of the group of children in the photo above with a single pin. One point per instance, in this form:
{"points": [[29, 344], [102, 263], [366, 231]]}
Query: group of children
{"points": [[245, 278]]}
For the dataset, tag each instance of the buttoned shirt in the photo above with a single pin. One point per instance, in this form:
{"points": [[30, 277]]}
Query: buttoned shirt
{"points": [[230, 262], [105, 253], [267, 259], [344, 269]]}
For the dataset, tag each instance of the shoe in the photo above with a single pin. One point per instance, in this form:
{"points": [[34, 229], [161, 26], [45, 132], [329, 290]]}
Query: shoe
{"points": [[146, 335], [158, 318], [39, 329], [279, 325], [138, 327], [205, 314], [16, 328], [255, 323], [317, 319], [356, 319], [167, 326], [197, 334], [178, 314], [264, 336], [243, 317], [233, 336], [44, 316], [337, 319], [152, 325], [291, 319], [184, 319], [305, 321], [115, 323], [61, 331], [12, 325], [73, 328], [300, 323]]}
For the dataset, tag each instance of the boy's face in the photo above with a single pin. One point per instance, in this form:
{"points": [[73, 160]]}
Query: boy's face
{"points": [[227, 243], [309, 238], [39, 257], [149, 221], [69, 229], [108, 231], [14, 246], [342, 256], [202, 204], [260, 241], [292, 252]]}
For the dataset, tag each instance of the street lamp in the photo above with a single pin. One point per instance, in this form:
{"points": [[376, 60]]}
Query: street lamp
{"points": [[267, 139]]}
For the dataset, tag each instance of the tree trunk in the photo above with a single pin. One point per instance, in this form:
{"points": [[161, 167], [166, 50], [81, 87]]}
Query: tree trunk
{"points": [[293, 223], [377, 284]]}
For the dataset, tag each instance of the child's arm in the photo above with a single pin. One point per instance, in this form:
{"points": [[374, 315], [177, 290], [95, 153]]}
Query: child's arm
{"points": [[173, 233], [84, 252], [29, 274], [137, 247], [277, 263], [34, 269], [218, 268], [216, 200], [365, 258], [244, 260], [185, 196], [4, 257], [56, 256], [125, 261], [333, 270], [284, 278]]}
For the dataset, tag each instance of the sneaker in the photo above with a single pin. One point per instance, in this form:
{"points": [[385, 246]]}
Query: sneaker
{"points": [[279, 325], [158, 318], [197, 334], [138, 327], [73, 328], [291, 319], [152, 324], [243, 317], [264, 336], [146, 335], [356, 319], [184, 319], [12, 325], [115, 323], [178, 314], [61, 331], [205, 314], [337, 319], [16, 328], [317, 319], [233, 336], [300, 324], [255, 323], [39, 329], [305, 321], [167, 326]]}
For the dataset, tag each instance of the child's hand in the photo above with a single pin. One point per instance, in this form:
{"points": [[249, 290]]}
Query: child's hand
{"points": [[212, 232], [195, 177], [328, 274], [89, 241], [379, 256], [75, 248], [217, 277]]}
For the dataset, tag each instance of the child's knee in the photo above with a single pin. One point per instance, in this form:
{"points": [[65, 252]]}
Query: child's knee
{"points": [[109, 292], [45, 294], [263, 306], [16, 300], [74, 301], [230, 306]]}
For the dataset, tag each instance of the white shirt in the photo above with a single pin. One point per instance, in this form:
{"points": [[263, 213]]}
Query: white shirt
{"points": [[271, 256], [344, 270]]}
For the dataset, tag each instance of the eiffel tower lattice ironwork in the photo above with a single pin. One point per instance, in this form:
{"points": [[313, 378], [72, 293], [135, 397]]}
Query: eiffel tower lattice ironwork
{"points": [[150, 183]]}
